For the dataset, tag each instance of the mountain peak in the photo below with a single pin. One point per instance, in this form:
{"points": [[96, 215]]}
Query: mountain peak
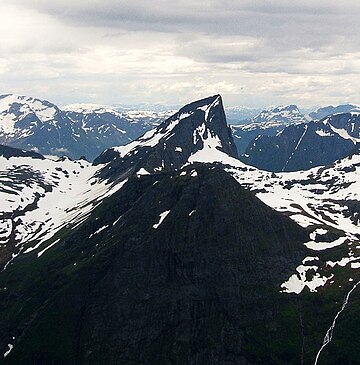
{"points": [[17, 107], [283, 114], [198, 126], [290, 108]]}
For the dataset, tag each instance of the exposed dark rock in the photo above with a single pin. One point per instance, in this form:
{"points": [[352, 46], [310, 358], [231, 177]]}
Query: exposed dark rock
{"points": [[8, 152], [181, 136], [300, 147]]}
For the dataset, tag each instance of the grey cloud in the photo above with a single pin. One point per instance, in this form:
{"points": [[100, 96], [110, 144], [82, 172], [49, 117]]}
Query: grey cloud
{"points": [[283, 24], [230, 39], [48, 48]]}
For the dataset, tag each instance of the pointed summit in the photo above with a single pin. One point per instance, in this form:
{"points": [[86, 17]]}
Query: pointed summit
{"points": [[198, 126]]}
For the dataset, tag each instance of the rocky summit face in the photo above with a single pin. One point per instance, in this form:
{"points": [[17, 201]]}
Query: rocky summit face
{"points": [[197, 129], [171, 250], [267, 123], [300, 147]]}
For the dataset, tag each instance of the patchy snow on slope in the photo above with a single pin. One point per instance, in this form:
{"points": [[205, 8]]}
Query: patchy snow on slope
{"points": [[343, 262], [44, 196], [149, 139], [323, 133], [310, 259], [316, 199], [344, 134], [162, 216], [47, 247], [319, 246], [297, 282], [318, 232], [298, 193]]}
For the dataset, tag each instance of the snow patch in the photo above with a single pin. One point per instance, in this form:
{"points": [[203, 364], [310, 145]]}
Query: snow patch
{"points": [[162, 216], [46, 248], [142, 172], [320, 246], [10, 346], [297, 282], [323, 133], [98, 231]]}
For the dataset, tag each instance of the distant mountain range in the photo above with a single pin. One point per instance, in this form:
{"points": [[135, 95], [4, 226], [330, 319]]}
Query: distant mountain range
{"points": [[240, 114], [171, 250], [326, 111], [81, 129], [305, 145], [77, 130], [87, 130], [269, 122]]}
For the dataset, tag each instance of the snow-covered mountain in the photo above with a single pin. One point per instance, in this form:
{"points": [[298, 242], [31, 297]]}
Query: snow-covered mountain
{"points": [[326, 111], [240, 114], [302, 146], [269, 122], [170, 235], [76, 130], [30, 123], [284, 114]]}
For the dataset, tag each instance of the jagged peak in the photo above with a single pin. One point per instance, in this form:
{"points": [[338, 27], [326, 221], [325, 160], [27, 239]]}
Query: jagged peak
{"points": [[165, 130], [198, 126]]}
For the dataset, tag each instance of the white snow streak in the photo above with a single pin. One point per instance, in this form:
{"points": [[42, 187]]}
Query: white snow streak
{"points": [[46, 248], [330, 331], [9, 350], [162, 216]]}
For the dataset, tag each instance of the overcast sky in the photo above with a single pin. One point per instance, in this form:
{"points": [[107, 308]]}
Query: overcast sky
{"points": [[255, 53]]}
